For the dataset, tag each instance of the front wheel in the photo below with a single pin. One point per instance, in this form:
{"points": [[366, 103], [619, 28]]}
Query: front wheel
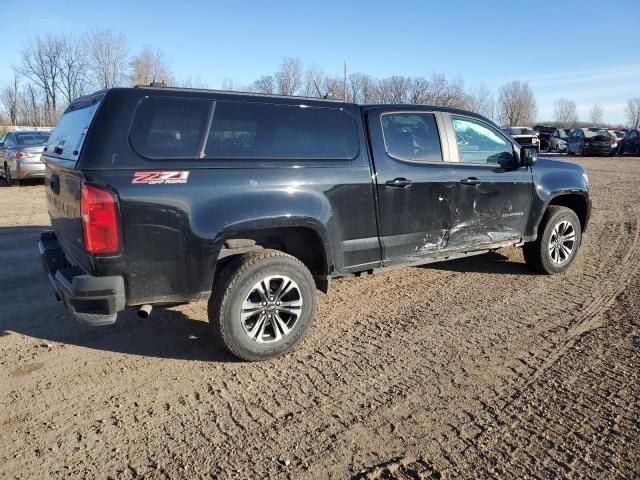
{"points": [[559, 238], [262, 304]]}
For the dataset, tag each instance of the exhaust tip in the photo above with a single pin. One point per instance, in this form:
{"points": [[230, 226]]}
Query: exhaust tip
{"points": [[144, 311]]}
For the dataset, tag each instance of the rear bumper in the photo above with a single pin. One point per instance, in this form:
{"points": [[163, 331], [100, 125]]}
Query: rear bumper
{"points": [[93, 300], [30, 170]]}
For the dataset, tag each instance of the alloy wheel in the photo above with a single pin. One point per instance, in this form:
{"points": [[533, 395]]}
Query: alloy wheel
{"points": [[562, 242], [271, 309]]}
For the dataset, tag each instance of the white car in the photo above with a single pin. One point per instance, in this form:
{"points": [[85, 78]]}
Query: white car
{"points": [[525, 136]]}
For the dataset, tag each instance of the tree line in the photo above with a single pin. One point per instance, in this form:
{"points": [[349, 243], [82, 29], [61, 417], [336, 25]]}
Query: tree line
{"points": [[55, 69]]}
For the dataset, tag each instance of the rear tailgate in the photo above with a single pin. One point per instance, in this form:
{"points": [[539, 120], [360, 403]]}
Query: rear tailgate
{"points": [[63, 180]]}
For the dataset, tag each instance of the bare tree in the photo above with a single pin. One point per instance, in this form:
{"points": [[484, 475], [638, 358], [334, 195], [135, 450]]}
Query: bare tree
{"points": [[231, 86], [516, 104], [596, 115], [150, 65], [333, 87], [265, 84], [444, 93], [289, 77], [417, 90], [30, 107], [107, 57], [40, 64], [481, 100], [632, 111], [191, 82], [9, 98], [314, 82], [361, 88], [72, 65], [565, 112]]}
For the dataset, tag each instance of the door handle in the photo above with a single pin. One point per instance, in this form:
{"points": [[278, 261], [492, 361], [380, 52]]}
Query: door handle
{"points": [[471, 181], [398, 183]]}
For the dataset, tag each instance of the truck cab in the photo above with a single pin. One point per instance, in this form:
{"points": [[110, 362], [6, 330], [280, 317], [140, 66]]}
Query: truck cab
{"points": [[163, 196]]}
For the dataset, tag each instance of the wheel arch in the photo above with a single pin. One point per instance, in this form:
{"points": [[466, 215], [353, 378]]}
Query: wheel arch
{"points": [[576, 201], [306, 242]]}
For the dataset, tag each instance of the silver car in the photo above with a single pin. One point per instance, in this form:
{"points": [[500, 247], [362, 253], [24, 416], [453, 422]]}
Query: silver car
{"points": [[558, 140], [20, 155]]}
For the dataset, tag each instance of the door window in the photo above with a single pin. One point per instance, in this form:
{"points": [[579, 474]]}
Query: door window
{"points": [[479, 143], [633, 135], [412, 137]]}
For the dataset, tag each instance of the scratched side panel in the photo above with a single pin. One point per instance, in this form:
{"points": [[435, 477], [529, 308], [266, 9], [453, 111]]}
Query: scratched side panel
{"points": [[495, 211]]}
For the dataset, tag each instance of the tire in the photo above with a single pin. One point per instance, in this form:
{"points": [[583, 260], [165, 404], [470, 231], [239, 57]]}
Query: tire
{"points": [[239, 312], [7, 176], [540, 255]]}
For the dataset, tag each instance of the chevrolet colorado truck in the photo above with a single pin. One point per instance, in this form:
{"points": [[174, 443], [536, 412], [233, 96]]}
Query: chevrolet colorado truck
{"points": [[162, 196]]}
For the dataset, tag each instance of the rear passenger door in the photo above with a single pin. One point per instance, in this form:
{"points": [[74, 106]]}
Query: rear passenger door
{"points": [[413, 184], [493, 199]]}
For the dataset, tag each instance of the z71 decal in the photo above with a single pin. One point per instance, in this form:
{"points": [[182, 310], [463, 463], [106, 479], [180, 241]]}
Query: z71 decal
{"points": [[157, 178]]}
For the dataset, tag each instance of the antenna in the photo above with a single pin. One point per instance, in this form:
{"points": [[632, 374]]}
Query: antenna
{"points": [[318, 89], [345, 81]]}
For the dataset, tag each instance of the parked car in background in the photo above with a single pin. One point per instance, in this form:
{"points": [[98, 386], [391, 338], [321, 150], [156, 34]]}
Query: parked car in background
{"points": [[618, 134], [591, 141], [544, 133], [558, 140], [630, 143], [20, 155], [525, 136]]}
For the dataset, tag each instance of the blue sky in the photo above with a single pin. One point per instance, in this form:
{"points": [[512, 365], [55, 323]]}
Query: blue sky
{"points": [[585, 51]]}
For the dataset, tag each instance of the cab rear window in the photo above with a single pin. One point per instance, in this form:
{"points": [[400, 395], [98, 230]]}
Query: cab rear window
{"points": [[68, 136]]}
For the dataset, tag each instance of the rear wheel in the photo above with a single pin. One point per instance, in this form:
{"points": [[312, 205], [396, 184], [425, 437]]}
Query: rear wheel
{"points": [[559, 238], [7, 176], [262, 304]]}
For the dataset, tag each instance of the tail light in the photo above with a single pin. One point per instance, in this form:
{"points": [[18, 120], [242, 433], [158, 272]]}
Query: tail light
{"points": [[20, 154], [99, 220]]}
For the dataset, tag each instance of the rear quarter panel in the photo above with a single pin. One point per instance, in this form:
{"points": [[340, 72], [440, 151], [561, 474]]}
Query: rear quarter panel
{"points": [[172, 233]]}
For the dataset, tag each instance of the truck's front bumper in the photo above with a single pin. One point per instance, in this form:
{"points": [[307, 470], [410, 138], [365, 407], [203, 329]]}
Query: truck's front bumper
{"points": [[93, 300]]}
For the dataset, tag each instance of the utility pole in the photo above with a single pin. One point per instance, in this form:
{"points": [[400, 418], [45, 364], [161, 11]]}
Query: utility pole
{"points": [[345, 81]]}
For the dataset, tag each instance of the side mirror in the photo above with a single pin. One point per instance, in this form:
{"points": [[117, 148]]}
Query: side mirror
{"points": [[528, 156]]}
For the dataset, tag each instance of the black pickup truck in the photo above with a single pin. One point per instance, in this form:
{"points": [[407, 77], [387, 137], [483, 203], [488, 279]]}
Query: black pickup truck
{"points": [[163, 196]]}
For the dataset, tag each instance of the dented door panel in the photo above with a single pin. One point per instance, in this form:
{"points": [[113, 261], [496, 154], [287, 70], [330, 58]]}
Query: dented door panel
{"points": [[495, 210], [415, 198]]}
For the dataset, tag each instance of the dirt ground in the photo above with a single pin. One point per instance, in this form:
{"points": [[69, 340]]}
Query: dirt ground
{"points": [[473, 368]]}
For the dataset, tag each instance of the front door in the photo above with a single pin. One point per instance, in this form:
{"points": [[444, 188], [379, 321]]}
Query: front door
{"points": [[493, 198], [414, 185]]}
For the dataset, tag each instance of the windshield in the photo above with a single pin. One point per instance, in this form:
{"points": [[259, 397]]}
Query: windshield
{"points": [[520, 131], [564, 132], [597, 133], [32, 138]]}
